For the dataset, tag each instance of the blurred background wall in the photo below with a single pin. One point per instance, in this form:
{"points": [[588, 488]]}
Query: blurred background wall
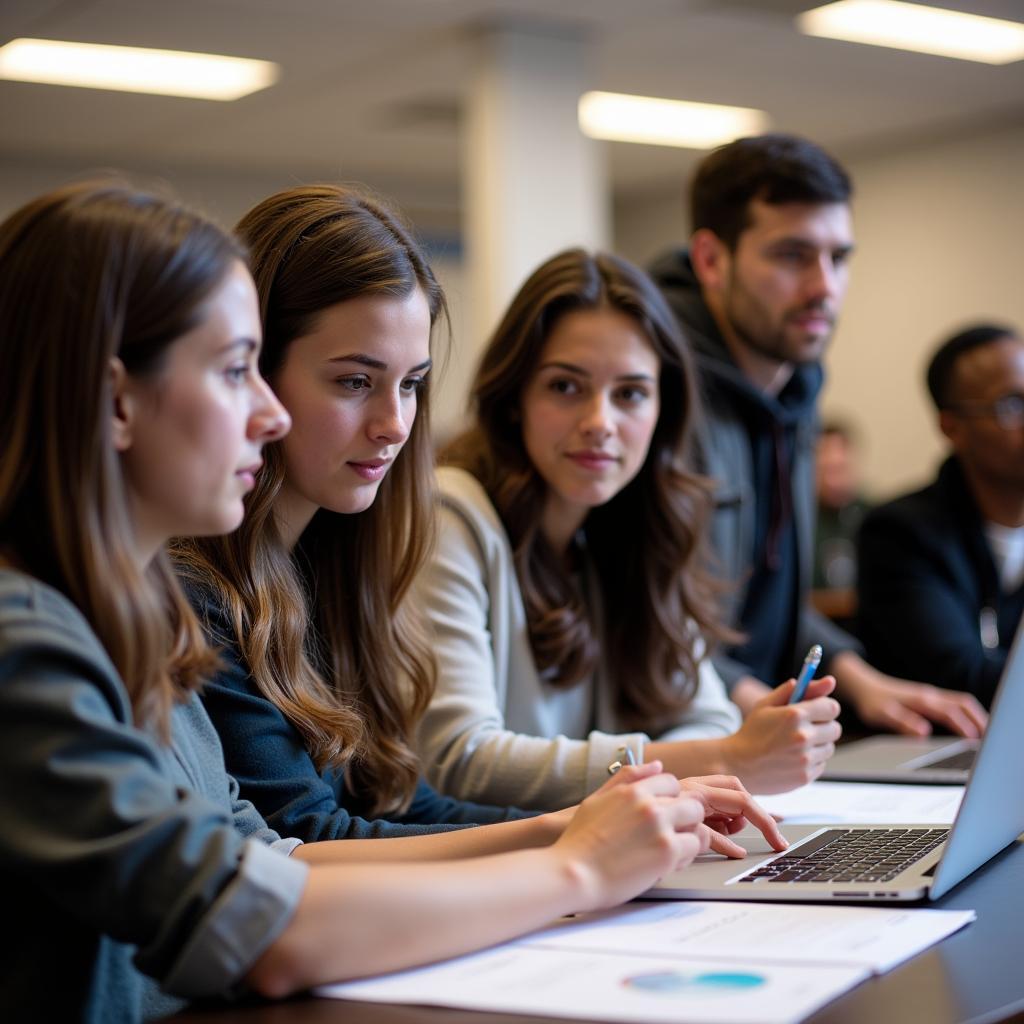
{"points": [[394, 95]]}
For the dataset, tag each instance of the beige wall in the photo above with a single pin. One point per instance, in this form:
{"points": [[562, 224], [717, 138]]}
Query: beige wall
{"points": [[940, 235]]}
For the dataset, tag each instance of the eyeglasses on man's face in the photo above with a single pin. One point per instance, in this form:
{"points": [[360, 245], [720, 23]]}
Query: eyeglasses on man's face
{"points": [[1007, 410]]}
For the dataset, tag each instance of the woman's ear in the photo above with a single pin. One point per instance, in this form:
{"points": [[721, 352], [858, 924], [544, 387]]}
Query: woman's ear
{"points": [[122, 406]]}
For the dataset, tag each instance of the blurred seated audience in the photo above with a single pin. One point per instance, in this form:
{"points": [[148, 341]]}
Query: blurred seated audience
{"points": [[841, 508], [942, 569]]}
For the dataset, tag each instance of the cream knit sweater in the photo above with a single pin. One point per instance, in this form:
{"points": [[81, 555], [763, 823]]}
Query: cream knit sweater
{"points": [[496, 732]]}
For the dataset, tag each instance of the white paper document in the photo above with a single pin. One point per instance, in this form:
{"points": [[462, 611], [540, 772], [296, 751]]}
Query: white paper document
{"points": [[597, 986], [675, 961], [875, 938], [863, 803]]}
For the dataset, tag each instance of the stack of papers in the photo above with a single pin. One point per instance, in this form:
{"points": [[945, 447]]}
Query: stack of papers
{"points": [[680, 962], [860, 803], [734, 963]]}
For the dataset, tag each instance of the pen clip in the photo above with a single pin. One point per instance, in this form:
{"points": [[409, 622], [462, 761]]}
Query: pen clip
{"points": [[626, 756]]}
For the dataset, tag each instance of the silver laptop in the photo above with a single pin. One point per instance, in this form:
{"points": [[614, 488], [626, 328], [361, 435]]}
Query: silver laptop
{"points": [[884, 863], [902, 759]]}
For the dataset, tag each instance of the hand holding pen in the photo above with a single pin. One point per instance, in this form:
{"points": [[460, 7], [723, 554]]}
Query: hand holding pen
{"points": [[789, 735]]}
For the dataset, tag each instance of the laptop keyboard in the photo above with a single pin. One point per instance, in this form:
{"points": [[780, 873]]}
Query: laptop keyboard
{"points": [[964, 759], [851, 855]]}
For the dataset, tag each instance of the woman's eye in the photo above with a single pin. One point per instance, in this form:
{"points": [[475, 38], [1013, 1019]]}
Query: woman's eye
{"points": [[354, 383], [633, 395], [414, 385], [561, 386], [238, 374]]}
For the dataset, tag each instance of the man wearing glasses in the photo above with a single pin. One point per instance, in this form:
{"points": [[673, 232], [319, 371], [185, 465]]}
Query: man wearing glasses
{"points": [[941, 576]]}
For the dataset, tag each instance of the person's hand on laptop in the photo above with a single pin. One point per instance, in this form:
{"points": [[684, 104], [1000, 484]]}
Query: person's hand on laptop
{"points": [[637, 827], [729, 808], [898, 705]]}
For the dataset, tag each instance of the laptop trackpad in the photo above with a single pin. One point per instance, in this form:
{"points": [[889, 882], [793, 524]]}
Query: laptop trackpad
{"points": [[714, 869]]}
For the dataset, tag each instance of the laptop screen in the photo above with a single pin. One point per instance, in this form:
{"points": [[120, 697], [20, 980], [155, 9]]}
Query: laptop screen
{"points": [[991, 815]]}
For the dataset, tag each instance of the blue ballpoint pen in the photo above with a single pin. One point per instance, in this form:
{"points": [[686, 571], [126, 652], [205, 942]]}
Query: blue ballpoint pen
{"points": [[811, 663]]}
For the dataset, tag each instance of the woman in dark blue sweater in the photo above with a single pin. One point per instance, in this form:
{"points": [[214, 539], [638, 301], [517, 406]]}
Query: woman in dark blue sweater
{"points": [[306, 601], [268, 756]]}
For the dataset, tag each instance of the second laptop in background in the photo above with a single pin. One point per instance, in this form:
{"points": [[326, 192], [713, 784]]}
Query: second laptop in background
{"points": [[902, 759]]}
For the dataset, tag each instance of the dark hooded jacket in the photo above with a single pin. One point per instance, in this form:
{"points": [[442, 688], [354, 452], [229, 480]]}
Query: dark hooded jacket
{"points": [[759, 450], [931, 604]]}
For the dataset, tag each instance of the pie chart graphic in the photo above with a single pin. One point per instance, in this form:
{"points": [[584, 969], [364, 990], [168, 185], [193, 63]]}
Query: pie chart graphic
{"points": [[671, 983]]}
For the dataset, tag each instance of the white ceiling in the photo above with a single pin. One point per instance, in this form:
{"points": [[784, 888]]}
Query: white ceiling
{"points": [[370, 90]]}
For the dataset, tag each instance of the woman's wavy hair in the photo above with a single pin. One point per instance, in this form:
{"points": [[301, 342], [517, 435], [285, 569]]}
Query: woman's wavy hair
{"points": [[90, 273], [325, 632], [646, 543]]}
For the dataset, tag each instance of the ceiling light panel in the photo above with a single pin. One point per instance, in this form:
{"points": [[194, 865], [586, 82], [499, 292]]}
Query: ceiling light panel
{"points": [[133, 69], [916, 27], [661, 122]]}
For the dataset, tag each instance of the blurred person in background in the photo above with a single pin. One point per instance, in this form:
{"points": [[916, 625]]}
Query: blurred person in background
{"points": [[942, 569], [758, 292], [841, 508]]}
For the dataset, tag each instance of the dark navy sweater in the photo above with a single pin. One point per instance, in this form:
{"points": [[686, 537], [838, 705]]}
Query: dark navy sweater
{"points": [[267, 756]]}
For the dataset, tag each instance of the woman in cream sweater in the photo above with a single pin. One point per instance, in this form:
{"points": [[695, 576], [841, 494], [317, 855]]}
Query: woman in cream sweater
{"points": [[567, 596]]}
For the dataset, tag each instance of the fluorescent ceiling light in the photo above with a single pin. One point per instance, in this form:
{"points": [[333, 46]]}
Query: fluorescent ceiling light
{"points": [[132, 69], [915, 27], [623, 118]]}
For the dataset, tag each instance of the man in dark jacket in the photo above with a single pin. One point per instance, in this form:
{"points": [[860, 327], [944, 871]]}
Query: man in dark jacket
{"points": [[943, 586], [758, 294]]}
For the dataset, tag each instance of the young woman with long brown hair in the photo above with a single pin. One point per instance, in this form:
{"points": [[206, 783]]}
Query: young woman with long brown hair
{"points": [[566, 595], [306, 598], [326, 670], [131, 410]]}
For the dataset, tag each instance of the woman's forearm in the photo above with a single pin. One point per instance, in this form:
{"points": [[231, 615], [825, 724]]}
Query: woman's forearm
{"points": [[351, 916], [686, 758], [482, 841], [359, 919]]}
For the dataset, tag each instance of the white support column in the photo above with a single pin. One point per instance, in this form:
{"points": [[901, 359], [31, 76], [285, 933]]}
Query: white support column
{"points": [[533, 184]]}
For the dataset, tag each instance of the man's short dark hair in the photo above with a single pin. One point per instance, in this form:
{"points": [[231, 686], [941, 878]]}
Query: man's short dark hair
{"points": [[939, 376], [774, 168]]}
